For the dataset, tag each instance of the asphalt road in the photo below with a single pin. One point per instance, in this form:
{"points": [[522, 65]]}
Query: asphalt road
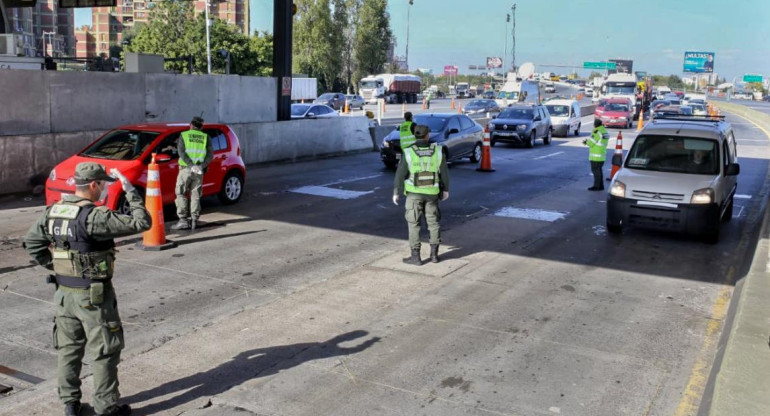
{"points": [[295, 300]]}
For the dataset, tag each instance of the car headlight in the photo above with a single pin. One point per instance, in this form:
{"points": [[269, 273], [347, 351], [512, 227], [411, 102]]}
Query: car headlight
{"points": [[702, 196], [385, 143], [621, 118], [618, 189], [522, 127], [52, 175]]}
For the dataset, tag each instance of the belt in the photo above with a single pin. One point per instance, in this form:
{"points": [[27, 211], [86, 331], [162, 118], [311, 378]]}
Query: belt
{"points": [[71, 282]]}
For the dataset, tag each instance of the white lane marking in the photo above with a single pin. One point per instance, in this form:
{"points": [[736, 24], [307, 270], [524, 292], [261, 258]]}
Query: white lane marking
{"points": [[552, 154], [329, 192], [740, 211], [531, 214], [351, 180], [742, 196]]}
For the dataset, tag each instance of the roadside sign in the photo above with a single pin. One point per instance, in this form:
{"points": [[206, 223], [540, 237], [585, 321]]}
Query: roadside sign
{"points": [[752, 78], [494, 62], [699, 62], [286, 86], [599, 65], [450, 70]]}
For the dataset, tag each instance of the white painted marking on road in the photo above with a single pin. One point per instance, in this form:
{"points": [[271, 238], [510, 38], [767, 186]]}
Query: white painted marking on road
{"points": [[531, 214], [600, 230], [351, 180], [329, 192], [742, 196], [552, 154], [740, 211]]}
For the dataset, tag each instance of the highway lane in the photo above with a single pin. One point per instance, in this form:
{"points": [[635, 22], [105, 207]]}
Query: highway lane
{"points": [[528, 315]]}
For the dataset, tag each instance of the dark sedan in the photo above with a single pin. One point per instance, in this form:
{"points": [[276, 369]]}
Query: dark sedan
{"points": [[521, 124], [459, 135], [481, 107], [334, 100]]}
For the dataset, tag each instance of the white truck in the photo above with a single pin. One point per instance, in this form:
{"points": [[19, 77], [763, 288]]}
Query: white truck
{"points": [[463, 90], [621, 85], [394, 88], [514, 91]]}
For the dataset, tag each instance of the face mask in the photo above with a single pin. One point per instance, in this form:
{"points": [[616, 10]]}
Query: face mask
{"points": [[103, 194]]}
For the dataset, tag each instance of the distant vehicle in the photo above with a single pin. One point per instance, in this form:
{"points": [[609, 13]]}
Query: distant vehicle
{"points": [[459, 136], [312, 111], [659, 103], [355, 101], [463, 90], [679, 94], [549, 87], [481, 106], [661, 91], [489, 95], [622, 85], [565, 116], [130, 148], [394, 88], [766, 98], [617, 112], [672, 98], [671, 111], [521, 124], [680, 175], [699, 109], [589, 92], [692, 97], [514, 91], [334, 100]]}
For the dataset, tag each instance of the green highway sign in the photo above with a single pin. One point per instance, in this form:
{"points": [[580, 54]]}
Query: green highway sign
{"points": [[599, 65], [752, 78]]}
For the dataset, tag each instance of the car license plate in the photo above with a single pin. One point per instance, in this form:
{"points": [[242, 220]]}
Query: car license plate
{"points": [[504, 133], [614, 120]]}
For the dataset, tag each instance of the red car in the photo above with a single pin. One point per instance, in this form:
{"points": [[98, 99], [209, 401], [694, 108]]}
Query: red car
{"points": [[129, 148], [617, 112]]}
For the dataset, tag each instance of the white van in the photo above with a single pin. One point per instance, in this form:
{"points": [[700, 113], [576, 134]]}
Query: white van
{"points": [[661, 91], [565, 116], [680, 174]]}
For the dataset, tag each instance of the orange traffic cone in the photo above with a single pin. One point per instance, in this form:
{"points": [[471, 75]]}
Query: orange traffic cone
{"points": [[617, 158], [640, 123], [423, 104], [459, 109], [453, 103], [486, 153], [154, 239], [347, 107]]}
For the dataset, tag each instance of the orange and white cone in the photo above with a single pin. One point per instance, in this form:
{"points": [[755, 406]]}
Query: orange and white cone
{"points": [[154, 239], [617, 158], [486, 153], [453, 103], [640, 123]]}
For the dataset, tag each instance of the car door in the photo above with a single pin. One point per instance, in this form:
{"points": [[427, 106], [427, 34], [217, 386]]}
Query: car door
{"points": [[466, 126], [168, 169], [539, 122], [454, 142], [575, 119], [212, 179]]}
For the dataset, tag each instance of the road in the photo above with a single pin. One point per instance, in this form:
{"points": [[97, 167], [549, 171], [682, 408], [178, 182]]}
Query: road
{"points": [[295, 301]]}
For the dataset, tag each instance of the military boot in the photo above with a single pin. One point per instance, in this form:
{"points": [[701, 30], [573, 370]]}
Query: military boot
{"points": [[434, 253], [121, 410], [414, 258], [72, 409], [182, 224]]}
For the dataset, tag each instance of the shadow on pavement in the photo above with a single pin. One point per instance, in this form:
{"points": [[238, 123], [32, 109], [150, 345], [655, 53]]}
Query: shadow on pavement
{"points": [[245, 366]]}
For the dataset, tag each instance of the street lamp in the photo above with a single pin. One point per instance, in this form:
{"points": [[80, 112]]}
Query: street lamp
{"points": [[408, 10], [513, 37], [505, 51], [208, 40]]}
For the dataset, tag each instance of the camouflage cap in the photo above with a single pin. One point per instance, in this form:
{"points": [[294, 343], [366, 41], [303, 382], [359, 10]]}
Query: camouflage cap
{"points": [[421, 131], [87, 172]]}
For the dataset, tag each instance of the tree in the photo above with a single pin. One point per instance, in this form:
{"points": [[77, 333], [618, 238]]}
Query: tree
{"points": [[594, 74], [348, 61], [373, 38], [165, 32]]}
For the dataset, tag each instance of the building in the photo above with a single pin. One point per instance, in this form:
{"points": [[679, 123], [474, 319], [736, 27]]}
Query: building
{"points": [[48, 30], [109, 23]]}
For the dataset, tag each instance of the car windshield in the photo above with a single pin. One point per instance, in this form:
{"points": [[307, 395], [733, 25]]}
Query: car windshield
{"points": [[434, 123], [558, 110], [520, 113], [622, 90], [326, 96], [674, 154], [616, 107], [299, 109], [368, 84], [699, 107], [121, 145], [511, 95]]}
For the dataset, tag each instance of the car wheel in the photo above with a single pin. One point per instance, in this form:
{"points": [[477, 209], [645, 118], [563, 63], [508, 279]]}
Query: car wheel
{"points": [[389, 165], [476, 155], [531, 141], [577, 130], [614, 229], [123, 207], [492, 142], [712, 236], [547, 138], [728, 212], [232, 188]]}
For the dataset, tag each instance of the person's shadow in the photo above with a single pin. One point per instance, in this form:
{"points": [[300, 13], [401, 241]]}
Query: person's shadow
{"points": [[245, 366]]}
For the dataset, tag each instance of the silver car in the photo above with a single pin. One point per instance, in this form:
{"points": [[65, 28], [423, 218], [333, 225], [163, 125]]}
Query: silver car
{"points": [[355, 101], [312, 111]]}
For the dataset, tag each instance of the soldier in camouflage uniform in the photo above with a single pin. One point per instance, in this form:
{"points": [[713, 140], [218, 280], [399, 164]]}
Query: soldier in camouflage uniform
{"points": [[74, 238]]}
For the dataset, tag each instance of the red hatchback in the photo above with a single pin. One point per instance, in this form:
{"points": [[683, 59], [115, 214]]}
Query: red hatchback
{"points": [[617, 112], [129, 148]]}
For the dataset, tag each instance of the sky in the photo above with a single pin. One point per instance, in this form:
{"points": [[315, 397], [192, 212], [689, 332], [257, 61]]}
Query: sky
{"points": [[654, 33]]}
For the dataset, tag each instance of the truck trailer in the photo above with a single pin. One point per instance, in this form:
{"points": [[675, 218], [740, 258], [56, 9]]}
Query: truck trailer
{"points": [[394, 88]]}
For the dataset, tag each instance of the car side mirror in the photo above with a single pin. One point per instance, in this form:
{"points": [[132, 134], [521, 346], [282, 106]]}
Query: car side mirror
{"points": [[537, 118], [162, 157], [453, 131], [310, 115], [494, 115], [733, 169]]}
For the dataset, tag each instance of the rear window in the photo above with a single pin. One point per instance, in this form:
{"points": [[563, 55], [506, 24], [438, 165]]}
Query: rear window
{"points": [[121, 145], [218, 139], [298, 110], [523, 113], [558, 110], [434, 123], [674, 154]]}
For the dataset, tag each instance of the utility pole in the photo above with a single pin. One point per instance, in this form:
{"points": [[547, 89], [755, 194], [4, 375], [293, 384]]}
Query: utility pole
{"points": [[513, 37], [408, 10], [505, 51], [208, 39]]}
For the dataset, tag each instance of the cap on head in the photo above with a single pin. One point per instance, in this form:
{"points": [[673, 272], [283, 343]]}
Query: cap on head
{"points": [[197, 122], [88, 172], [597, 122], [421, 132], [369, 114], [408, 116]]}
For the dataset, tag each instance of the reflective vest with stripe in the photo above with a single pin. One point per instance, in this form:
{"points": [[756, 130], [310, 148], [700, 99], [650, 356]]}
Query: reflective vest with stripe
{"points": [[597, 144], [194, 146], [405, 133], [424, 164]]}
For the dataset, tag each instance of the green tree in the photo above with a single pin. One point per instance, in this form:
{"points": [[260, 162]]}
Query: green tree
{"points": [[165, 34], [261, 45], [349, 36], [373, 38]]}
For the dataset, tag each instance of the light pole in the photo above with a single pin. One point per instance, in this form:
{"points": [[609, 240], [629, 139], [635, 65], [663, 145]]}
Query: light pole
{"points": [[408, 10], [208, 40], [505, 51], [513, 38]]}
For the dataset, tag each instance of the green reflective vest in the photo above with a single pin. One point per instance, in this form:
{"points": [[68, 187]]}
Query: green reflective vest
{"points": [[597, 144], [424, 164], [194, 146], [405, 132]]}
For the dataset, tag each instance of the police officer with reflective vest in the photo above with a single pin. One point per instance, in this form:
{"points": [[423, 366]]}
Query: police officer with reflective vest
{"points": [[597, 153], [423, 176], [74, 238], [195, 154], [406, 131]]}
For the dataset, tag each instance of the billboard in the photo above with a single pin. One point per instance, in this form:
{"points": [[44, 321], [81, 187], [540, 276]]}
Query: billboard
{"points": [[494, 62], [625, 66], [450, 70], [699, 62]]}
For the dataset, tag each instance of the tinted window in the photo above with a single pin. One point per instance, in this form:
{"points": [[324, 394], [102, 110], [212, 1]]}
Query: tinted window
{"points": [[674, 154], [326, 96], [218, 139], [168, 145], [434, 123], [298, 109], [121, 145], [466, 123], [318, 110], [558, 110], [453, 124], [521, 113]]}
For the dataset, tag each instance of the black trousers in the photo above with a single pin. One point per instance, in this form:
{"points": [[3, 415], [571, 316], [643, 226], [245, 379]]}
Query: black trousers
{"points": [[596, 169]]}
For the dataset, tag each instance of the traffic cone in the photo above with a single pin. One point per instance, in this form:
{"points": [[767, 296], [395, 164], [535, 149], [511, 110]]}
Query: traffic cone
{"points": [[640, 123], [453, 103], [459, 109], [617, 158], [486, 153], [347, 107], [154, 239], [423, 104]]}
